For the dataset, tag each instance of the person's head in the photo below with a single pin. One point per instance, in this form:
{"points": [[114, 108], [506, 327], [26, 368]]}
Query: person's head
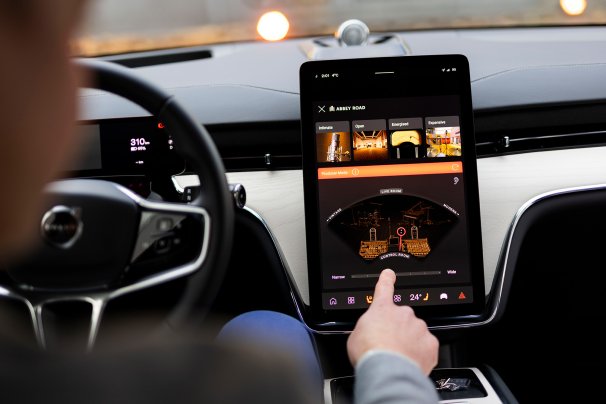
{"points": [[37, 106]]}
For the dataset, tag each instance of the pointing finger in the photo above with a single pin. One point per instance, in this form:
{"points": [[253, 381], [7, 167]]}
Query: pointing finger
{"points": [[385, 287]]}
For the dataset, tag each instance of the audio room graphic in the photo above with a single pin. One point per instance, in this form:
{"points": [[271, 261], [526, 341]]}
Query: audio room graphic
{"points": [[386, 224]]}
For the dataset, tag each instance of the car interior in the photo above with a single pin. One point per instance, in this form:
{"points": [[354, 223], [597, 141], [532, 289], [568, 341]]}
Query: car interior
{"points": [[194, 175]]}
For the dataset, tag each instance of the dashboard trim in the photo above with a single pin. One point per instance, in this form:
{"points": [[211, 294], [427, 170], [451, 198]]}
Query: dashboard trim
{"points": [[294, 291]]}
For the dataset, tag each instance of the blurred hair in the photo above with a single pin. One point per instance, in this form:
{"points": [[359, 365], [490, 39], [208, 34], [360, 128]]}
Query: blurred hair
{"points": [[15, 8], [15, 13]]}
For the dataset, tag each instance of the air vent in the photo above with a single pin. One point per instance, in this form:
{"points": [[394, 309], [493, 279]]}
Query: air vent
{"points": [[259, 146], [544, 127], [161, 57]]}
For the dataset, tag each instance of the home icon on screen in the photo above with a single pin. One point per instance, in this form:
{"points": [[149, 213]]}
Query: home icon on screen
{"points": [[332, 301]]}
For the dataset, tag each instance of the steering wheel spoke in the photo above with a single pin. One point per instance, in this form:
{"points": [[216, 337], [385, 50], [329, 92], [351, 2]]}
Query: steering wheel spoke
{"points": [[172, 241]]}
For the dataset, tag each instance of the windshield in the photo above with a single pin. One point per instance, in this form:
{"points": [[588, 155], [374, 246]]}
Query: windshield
{"points": [[119, 26]]}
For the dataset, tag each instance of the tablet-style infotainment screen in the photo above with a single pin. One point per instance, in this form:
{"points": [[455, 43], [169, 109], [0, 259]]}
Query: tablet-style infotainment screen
{"points": [[391, 182]]}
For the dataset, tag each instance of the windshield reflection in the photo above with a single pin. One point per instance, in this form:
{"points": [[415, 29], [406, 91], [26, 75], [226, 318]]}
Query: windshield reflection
{"points": [[118, 26]]}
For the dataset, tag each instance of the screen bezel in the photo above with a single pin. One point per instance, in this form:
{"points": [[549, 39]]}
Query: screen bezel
{"points": [[314, 315]]}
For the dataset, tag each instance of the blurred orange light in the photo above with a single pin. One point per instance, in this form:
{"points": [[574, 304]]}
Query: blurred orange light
{"points": [[573, 7], [160, 125], [273, 26]]}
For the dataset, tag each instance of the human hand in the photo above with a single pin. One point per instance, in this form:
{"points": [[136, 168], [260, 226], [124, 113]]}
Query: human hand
{"points": [[387, 326]]}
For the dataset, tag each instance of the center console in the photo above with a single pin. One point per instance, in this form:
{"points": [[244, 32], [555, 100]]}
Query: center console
{"points": [[454, 385]]}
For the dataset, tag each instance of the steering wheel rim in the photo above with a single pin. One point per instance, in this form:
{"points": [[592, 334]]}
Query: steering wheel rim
{"points": [[213, 205]]}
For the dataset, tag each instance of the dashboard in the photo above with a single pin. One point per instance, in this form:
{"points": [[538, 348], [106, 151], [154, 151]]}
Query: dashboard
{"points": [[540, 121]]}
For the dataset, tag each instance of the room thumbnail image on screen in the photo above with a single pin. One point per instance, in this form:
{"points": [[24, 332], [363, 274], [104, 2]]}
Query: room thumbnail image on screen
{"points": [[385, 224], [444, 142], [406, 144], [370, 145], [333, 147]]}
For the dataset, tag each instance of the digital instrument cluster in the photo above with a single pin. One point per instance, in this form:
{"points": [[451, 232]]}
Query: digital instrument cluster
{"points": [[132, 146]]}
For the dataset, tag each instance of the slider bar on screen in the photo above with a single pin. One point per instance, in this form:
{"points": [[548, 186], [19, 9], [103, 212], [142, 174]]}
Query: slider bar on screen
{"points": [[420, 273]]}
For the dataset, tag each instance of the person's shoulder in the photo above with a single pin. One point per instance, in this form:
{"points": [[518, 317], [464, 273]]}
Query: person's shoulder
{"points": [[187, 371]]}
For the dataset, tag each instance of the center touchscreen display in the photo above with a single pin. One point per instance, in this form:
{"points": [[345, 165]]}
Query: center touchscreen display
{"points": [[391, 182]]}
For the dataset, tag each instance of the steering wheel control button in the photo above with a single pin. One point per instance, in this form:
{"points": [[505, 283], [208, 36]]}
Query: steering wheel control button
{"points": [[163, 245], [165, 224], [61, 226]]}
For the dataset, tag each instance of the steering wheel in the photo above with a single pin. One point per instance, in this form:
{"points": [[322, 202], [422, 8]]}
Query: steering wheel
{"points": [[100, 241]]}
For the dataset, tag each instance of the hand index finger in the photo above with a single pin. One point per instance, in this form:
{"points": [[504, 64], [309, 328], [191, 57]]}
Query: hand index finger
{"points": [[385, 287]]}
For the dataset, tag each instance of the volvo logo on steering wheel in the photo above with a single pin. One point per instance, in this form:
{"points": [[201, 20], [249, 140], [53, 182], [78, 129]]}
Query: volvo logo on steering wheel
{"points": [[61, 226]]}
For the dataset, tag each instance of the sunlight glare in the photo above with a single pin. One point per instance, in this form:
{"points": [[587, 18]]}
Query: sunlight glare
{"points": [[573, 7], [273, 26]]}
